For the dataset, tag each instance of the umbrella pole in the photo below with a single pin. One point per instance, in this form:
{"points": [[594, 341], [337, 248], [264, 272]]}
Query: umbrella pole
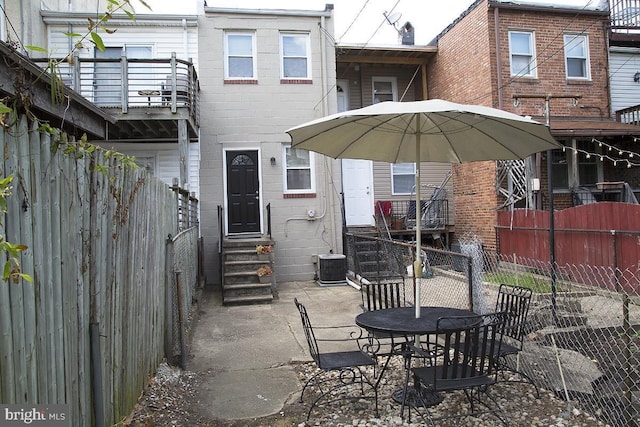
{"points": [[417, 265]]}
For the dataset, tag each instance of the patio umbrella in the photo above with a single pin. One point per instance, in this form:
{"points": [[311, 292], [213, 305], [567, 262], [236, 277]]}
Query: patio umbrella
{"points": [[423, 131]]}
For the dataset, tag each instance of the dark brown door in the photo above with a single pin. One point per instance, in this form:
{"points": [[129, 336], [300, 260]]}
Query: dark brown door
{"points": [[243, 194]]}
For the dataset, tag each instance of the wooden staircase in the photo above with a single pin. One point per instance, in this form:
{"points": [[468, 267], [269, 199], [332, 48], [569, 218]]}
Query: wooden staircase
{"points": [[241, 283]]}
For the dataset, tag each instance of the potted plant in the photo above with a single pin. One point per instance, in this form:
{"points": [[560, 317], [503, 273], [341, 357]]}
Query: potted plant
{"points": [[263, 251], [264, 274]]}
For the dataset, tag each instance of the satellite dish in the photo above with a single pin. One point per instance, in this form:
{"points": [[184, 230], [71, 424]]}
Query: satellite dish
{"points": [[393, 18]]}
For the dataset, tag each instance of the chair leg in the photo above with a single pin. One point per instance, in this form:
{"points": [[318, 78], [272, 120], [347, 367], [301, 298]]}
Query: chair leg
{"points": [[346, 377], [503, 366]]}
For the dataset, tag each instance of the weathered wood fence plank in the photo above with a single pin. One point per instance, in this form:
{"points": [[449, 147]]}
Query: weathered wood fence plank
{"points": [[96, 251]]}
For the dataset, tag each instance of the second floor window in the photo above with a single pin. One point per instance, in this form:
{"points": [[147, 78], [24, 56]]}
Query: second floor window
{"points": [[299, 176], [576, 55], [403, 178], [522, 53], [384, 89], [294, 48], [239, 56]]}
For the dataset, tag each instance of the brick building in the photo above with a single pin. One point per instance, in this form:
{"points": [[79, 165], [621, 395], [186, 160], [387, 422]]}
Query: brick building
{"points": [[521, 57]]}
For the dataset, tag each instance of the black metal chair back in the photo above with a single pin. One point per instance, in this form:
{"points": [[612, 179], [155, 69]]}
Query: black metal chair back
{"points": [[378, 296], [468, 347], [515, 302], [308, 333]]}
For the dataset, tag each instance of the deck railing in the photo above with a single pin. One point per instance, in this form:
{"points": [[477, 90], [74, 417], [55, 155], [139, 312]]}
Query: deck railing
{"points": [[629, 115], [129, 83], [401, 214], [625, 16]]}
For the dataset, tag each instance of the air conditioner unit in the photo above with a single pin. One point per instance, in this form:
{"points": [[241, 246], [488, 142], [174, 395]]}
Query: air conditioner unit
{"points": [[332, 270]]}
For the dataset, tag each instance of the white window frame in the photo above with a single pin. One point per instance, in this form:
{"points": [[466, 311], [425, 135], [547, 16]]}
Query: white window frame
{"points": [[393, 175], [531, 54], [569, 41], [228, 55], [307, 55], [378, 79], [286, 168]]}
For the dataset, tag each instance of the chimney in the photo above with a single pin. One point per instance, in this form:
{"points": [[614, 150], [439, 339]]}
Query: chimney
{"points": [[407, 34]]}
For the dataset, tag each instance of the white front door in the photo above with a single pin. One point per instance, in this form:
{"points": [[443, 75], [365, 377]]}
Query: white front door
{"points": [[357, 177]]}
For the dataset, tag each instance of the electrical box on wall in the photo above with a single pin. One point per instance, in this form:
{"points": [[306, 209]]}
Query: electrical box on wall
{"points": [[311, 214]]}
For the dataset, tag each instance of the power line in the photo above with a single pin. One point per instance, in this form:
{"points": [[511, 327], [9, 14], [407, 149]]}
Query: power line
{"points": [[353, 21]]}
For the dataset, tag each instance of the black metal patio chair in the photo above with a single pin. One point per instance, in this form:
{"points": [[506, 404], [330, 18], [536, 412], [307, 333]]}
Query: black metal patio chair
{"points": [[465, 362], [350, 363], [515, 302], [387, 293]]}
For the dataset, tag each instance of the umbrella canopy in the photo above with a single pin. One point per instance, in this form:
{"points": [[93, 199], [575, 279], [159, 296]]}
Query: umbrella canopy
{"points": [[449, 132], [423, 131]]}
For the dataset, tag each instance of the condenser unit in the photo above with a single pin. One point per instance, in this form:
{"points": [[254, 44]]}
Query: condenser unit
{"points": [[332, 270]]}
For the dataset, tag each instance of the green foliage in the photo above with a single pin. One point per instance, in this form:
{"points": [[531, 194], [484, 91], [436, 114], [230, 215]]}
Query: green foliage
{"points": [[537, 284], [11, 269]]}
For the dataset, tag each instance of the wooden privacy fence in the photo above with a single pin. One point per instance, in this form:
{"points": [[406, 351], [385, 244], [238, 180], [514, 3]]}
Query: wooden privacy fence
{"points": [[90, 330], [604, 234]]}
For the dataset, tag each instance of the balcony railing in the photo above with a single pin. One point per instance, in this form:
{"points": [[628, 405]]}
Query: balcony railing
{"points": [[401, 214], [128, 83], [630, 115], [625, 15]]}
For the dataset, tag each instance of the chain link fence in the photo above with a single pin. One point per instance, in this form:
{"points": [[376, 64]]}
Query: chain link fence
{"points": [[583, 330], [182, 270]]}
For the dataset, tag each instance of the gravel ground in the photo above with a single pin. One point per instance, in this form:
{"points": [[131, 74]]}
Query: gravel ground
{"points": [[171, 396]]}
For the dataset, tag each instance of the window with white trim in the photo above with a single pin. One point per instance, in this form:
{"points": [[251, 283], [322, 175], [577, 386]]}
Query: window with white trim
{"points": [[522, 53], [239, 55], [403, 178], [294, 56], [384, 89], [576, 56], [299, 176]]}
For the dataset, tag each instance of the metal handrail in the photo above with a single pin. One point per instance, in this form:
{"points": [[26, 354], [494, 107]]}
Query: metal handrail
{"points": [[129, 83]]}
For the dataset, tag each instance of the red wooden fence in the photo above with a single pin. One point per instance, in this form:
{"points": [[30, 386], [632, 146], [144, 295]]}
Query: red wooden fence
{"points": [[599, 236]]}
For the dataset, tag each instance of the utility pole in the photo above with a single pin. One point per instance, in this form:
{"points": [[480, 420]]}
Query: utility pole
{"points": [[552, 242]]}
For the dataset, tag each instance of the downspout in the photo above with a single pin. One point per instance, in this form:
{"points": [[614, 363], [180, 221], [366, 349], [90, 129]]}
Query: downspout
{"points": [[496, 24], [185, 39], [325, 110]]}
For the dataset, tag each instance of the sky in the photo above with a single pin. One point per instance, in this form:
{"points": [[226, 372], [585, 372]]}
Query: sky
{"points": [[353, 23]]}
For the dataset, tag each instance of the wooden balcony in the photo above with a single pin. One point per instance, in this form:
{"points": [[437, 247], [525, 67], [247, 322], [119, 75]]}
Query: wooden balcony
{"points": [[625, 22], [629, 115], [147, 97]]}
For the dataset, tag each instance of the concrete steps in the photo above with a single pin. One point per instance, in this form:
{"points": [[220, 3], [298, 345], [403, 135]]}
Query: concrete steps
{"points": [[241, 282]]}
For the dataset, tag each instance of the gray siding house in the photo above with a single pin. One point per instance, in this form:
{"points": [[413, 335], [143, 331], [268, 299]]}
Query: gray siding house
{"points": [[262, 72]]}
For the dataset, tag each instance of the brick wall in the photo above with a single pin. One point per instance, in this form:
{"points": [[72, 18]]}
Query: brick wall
{"points": [[466, 70]]}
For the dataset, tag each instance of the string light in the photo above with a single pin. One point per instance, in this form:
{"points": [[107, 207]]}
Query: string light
{"points": [[602, 157]]}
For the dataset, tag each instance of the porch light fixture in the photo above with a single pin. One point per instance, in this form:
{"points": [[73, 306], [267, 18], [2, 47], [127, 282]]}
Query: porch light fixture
{"points": [[636, 77], [273, 161]]}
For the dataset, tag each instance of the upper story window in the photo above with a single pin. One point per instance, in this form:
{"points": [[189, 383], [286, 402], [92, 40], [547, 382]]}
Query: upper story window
{"points": [[294, 56], [576, 55], [239, 55], [384, 89], [403, 178], [522, 53], [299, 174]]}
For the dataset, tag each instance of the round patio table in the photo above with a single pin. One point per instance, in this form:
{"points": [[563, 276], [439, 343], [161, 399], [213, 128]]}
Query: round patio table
{"points": [[402, 322]]}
